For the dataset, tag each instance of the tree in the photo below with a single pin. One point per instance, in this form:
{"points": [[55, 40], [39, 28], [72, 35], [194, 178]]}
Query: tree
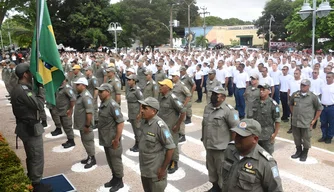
{"points": [[201, 41], [6, 5], [217, 21], [280, 9]]}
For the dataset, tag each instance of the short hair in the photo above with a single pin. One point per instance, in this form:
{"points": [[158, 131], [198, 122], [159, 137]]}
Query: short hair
{"points": [[199, 65], [242, 65]]}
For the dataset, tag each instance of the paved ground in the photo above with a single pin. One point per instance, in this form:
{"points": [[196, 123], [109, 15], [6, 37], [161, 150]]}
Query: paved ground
{"points": [[315, 175]]}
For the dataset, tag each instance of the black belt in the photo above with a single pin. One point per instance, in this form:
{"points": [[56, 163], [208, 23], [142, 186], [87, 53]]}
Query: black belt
{"points": [[241, 88], [328, 105]]}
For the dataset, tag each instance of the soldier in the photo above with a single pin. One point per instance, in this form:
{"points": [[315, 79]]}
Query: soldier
{"points": [[76, 75], [173, 114], [156, 147], [211, 83], [84, 120], [266, 112], [110, 129], [247, 166], [141, 75], [5, 73], [65, 101], [26, 106], [99, 72], [92, 85], [129, 71], [13, 79], [183, 94], [218, 119], [190, 84], [160, 74], [116, 85], [151, 89], [305, 108], [252, 94], [133, 96]]}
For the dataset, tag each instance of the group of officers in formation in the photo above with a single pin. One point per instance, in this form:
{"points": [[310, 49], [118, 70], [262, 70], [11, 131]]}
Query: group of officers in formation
{"points": [[159, 87]]}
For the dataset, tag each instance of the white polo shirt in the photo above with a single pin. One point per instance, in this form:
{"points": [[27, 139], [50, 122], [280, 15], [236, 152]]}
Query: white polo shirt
{"points": [[294, 86], [284, 81], [241, 79], [316, 85], [327, 94], [266, 80], [275, 76]]}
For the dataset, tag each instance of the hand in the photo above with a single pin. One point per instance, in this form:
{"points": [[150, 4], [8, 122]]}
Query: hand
{"points": [[272, 138], [115, 143], [312, 123], [176, 129], [86, 130], [69, 113], [138, 116], [161, 173]]}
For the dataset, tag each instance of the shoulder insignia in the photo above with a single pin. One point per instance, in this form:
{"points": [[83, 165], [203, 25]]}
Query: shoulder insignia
{"points": [[154, 83], [113, 103], [174, 96], [67, 85], [161, 124], [275, 172], [117, 113], [25, 87], [167, 133], [229, 106], [266, 155], [71, 92], [231, 143], [182, 83], [87, 93], [275, 103], [29, 94], [89, 101]]}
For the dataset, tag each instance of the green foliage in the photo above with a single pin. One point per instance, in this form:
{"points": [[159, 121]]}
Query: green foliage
{"points": [[234, 42], [12, 175], [217, 21], [201, 41]]}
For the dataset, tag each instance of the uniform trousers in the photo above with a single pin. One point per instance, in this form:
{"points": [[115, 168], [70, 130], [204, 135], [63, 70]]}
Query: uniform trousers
{"points": [[302, 136], [285, 105], [66, 123], [33, 147], [204, 83], [55, 117], [276, 94], [327, 122], [230, 87], [135, 128], [96, 114], [240, 100], [88, 142], [214, 162], [189, 109], [114, 158], [175, 156], [267, 145], [153, 184], [183, 127]]}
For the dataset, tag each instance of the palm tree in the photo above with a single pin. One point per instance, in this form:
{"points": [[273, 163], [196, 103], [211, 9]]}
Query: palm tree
{"points": [[201, 41]]}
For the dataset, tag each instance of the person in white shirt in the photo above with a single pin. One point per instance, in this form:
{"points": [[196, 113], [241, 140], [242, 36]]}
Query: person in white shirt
{"points": [[316, 84], [294, 86], [324, 73], [205, 69], [266, 79], [275, 74], [241, 82], [306, 70], [292, 68], [326, 117], [199, 78], [222, 74], [284, 81]]}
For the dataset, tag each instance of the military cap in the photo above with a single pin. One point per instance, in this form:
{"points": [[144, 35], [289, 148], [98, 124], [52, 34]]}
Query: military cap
{"points": [[183, 68], [212, 71], [82, 80], [254, 76], [132, 77], [76, 67], [219, 90], [105, 87], [167, 82], [248, 127], [151, 102], [306, 82], [265, 86], [21, 68]]}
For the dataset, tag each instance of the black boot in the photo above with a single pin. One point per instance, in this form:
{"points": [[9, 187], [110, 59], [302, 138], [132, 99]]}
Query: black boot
{"points": [[110, 183], [69, 143], [118, 184], [44, 123], [188, 120], [135, 148], [41, 187], [173, 167], [84, 161], [214, 188], [182, 138], [298, 152], [57, 131], [303, 156], [91, 162], [290, 131]]}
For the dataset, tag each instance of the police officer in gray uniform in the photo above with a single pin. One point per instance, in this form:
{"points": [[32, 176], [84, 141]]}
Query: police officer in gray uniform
{"points": [[306, 109], [190, 84], [84, 120], [26, 107], [141, 75], [92, 85], [173, 114], [156, 147], [133, 96], [218, 120], [99, 72], [151, 89], [266, 112], [12, 82], [110, 129], [211, 83], [247, 166], [252, 95], [160, 74], [115, 83], [5, 75]]}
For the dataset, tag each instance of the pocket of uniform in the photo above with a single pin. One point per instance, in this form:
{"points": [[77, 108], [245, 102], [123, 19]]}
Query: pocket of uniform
{"points": [[150, 141], [246, 181], [218, 121], [38, 129], [225, 170]]}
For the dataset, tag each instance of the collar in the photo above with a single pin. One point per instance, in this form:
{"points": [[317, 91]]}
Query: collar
{"points": [[219, 107], [150, 122], [105, 103], [167, 94], [253, 154]]}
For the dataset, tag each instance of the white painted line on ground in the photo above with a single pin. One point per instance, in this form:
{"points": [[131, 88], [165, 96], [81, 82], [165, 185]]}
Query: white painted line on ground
{"points": [[2, 83], [80, 168], [61, 149]]}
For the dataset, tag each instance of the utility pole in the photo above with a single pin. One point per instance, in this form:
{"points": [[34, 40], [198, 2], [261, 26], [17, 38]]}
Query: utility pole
{"points": [[271, 19], [204, 13], [189, 32], [171, 26]]}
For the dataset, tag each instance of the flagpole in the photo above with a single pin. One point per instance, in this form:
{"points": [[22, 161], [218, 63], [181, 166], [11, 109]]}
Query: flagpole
{"points": [[37, 32]]}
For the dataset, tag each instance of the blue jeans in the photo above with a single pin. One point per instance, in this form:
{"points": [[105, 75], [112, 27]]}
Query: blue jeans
{"points": [[230, 87], [276, 94], [241, 101], [327, 122]]}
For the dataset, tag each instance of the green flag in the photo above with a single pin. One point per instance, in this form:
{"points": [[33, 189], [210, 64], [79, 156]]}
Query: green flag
{"points": [[48, 69]]}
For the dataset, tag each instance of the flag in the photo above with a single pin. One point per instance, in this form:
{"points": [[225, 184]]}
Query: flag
{"points": [[47, 70]]}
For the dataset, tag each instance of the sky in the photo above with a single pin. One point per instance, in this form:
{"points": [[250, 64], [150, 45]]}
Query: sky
{"points": [[246, 10]]}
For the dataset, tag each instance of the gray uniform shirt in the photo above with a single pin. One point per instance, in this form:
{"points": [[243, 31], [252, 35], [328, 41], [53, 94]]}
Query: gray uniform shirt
{"points": [[181, 91], [64, 96], [252, 95], [141, 77], [188, 81], [160, 75], [83, 105], [210, 85], [132, 98], [92, 84], [116, 87], [153, 143], [151, 89]]}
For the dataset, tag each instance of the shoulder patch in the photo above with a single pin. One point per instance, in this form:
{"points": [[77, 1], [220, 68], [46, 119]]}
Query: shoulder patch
{"points": [[275, 103], [117, 112], [25, 87], [29, 94], [274, 171], [229, 106], [266, 155], [89, 101], [167, 133], [113, 103], [160, 123]]}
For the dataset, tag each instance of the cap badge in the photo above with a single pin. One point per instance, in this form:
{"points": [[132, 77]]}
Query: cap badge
{"points": [[243, 125]]}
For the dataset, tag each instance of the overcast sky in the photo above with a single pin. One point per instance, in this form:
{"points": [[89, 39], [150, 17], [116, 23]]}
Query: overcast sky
{"points": [[246, 10]]}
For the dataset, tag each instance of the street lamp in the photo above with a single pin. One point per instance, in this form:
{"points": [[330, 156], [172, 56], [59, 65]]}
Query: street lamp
{"points": [[322, 11], [116, 28]]}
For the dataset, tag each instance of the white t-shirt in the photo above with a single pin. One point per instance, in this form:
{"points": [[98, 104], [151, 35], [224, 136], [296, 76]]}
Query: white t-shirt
{"points": [[275, 76], [327, 94], [316, 85], [198, 75], [221, 74], [266, 80], [294, 86], [241, 79], [307, 72], [284, 81]]}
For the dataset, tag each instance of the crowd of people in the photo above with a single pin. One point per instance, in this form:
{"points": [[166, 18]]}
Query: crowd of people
{"points": [[159, 88]]}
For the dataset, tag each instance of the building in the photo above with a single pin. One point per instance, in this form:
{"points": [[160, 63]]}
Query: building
{"points": [[244, 34]]}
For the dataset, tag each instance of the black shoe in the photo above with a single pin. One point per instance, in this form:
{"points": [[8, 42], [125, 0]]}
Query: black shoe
{"points": [[182, 138], [91, 162], [110, 183], [44, 123], [290, 131], [198, 101], [41, 187], [69, 143], [173, 167], [95, 124], [322, 139], [56, 132], [303, 155], [84, 161], [188, 120], [214, 188], [135, 148], [298, 153], [328, 141], [7, 96], [118, 184]]}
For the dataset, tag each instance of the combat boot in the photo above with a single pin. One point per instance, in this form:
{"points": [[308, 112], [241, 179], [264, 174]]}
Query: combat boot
{"points": [[56, 132], [44, 123], [69, 143], [182, 138], [118, 184], [135, 148], [214, 188], [91, 162], [110, 183], [298, 152], [303, 156], [289, 131], [41, 187], [173, 167], [188, 120], [84, 161]]}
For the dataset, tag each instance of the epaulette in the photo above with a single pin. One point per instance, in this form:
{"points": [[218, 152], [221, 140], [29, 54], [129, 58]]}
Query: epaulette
{"points": [[114, 103], [161, 124], [231, 143], [182, 83], [68, 86], [174, 96], [25, 87], [154, 82], [275, 103], [87, 93], [138, 87], [229, 106], [266, 155]]}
